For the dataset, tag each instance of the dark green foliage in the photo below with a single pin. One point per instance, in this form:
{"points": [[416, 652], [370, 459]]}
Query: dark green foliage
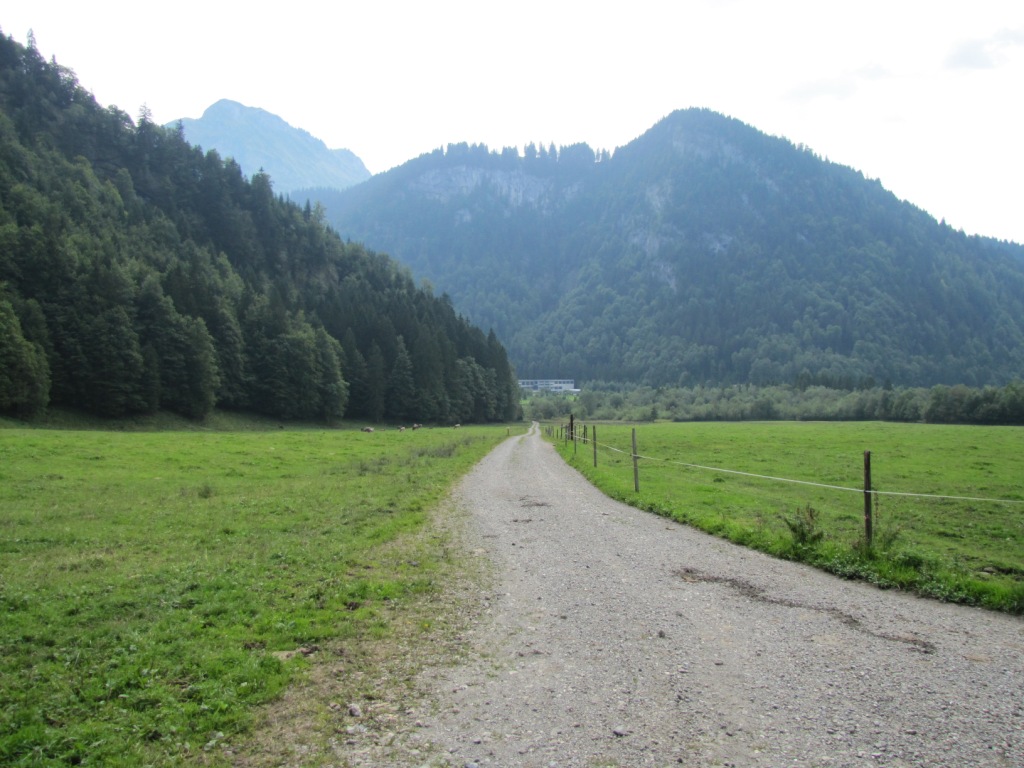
{"points": [[805, 527], [401, 391], [24, 372], [184, 375], [702, 253], [110, 382], [141, 274], [376, 382], [332, 390], [938, 405]]}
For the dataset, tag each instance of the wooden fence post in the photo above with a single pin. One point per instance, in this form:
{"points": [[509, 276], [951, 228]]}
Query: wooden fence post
{"points": [[593, 437], [636, 468], [867, 498]]}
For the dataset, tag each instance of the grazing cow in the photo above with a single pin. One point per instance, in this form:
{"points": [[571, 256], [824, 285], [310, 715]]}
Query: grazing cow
{"points": [[416, 426], [456, 426], [367, 429]]}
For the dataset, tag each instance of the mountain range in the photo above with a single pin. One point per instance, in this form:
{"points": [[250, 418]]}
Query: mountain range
{"points": [[258, 140], [703, 252]]}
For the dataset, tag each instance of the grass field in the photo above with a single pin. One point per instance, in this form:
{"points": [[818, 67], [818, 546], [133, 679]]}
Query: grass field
{"points": [[158, 587], [954, 549]]}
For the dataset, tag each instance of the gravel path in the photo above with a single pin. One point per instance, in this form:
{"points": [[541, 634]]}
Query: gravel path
{"points": [[612, 637]]}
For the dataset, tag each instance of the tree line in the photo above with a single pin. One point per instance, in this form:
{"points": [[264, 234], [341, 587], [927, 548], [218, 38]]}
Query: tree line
{"points": [[940, 404], [140, 273]]}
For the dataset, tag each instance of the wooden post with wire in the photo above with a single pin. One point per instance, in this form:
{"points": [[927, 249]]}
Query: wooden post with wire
{"points": [[867, 499], [636, 467], [593, 438]]}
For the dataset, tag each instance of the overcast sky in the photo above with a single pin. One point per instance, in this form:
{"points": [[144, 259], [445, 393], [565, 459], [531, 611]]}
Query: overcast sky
{"points": [[926, 96]]}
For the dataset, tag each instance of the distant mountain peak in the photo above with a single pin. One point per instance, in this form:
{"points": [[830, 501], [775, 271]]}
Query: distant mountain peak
{"points": [[256, 138], [226, 109]]}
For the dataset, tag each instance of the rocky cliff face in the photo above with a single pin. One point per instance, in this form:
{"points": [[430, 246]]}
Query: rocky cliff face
{"points": [[516, 189]]}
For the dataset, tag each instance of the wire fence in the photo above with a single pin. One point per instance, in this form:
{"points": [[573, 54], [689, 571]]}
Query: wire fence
{"points": [[586, 440], [792, 481], [940, 518]]}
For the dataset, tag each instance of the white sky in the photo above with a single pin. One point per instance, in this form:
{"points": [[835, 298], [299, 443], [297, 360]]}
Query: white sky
{"points": [[927, 96]]}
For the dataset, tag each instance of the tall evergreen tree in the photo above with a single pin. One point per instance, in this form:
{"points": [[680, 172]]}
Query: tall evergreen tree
{"points": [[332, 389], [357, 375], [401, 389], [111, 381], [376, 383], [24, 373]]}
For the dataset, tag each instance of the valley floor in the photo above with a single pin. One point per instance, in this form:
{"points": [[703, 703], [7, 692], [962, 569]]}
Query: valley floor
{"points": [[612, 637]]}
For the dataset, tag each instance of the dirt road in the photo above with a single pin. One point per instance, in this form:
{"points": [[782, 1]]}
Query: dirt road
{"points": [[611, 637]]}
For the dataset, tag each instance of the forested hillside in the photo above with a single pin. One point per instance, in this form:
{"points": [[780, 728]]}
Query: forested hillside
{"points": [[704, 252], [139, 273]]}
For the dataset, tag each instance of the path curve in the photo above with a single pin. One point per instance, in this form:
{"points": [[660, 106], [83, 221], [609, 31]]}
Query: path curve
{"points": [[612, 637]]}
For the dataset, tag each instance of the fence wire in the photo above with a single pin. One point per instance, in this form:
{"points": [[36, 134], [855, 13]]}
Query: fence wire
{"points": [[792, 481]]}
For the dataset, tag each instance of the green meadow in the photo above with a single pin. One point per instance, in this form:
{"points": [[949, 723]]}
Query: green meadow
{"points": [[161, 586], [158, 587], [966, 550]]}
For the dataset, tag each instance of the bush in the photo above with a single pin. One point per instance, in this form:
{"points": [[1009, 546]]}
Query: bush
{"points": [[805, 527]]}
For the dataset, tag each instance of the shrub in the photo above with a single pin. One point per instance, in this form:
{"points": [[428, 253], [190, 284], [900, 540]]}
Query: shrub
{"points": [[805, 527]]}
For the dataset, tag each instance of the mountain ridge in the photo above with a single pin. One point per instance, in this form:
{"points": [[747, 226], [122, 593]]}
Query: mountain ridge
{"points": [[260, 140], [704, 251]]}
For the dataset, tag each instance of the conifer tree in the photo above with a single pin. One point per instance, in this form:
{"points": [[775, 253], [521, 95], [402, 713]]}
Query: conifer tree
{"points": [[401, 391]]}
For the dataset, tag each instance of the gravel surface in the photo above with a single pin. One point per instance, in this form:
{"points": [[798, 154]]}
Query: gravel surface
{"points": [[612, 637]]}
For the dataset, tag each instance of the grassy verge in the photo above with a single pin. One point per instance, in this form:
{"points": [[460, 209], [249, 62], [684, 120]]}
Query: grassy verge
{"points": [[959, 550], [157, 589]]}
